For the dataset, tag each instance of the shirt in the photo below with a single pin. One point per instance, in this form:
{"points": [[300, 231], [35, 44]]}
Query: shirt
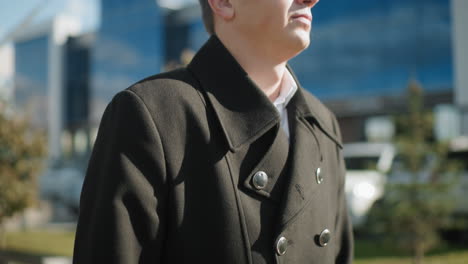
{"points": [[288, 89]]}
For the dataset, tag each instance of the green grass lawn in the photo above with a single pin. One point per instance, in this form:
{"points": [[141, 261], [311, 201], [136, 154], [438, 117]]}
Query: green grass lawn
{"points": [[41, 242], [368, 252], [61, 243], [446, 258]]}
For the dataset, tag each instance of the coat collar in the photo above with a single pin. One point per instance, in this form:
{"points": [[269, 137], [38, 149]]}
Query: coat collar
{"points": [[309, 108], [244, 112]]}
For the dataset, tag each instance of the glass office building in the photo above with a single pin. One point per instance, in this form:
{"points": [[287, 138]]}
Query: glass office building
{"points": [[373, 48], [31, 79], [367, 51], [39, 76], [76, 95], [129, 47], [184, 32], [366, 48]]}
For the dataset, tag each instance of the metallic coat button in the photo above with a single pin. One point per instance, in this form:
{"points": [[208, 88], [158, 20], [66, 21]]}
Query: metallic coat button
{"points": [[260, 180], [281, 246], [324, 238], [319, 175]]}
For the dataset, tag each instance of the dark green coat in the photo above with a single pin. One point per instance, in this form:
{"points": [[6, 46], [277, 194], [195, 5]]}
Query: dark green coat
{"points": [[170, 176]]}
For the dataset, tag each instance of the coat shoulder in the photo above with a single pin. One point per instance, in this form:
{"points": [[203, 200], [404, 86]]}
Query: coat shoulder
{"points": [[177, 91], [176, 84]]}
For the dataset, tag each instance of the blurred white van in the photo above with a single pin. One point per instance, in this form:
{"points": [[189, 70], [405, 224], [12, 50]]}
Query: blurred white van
{"points": [[367, 167]]}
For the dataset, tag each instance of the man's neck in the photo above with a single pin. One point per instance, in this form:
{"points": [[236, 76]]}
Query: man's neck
{"points": [[267, 72]]}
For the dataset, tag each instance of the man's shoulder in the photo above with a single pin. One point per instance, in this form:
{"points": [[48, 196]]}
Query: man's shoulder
{"points": [[168, 97], [166, 84], [173, 89]]}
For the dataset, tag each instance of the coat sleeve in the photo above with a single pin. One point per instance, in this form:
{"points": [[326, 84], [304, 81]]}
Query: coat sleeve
{"points": [[122, 206], [345, 249]]}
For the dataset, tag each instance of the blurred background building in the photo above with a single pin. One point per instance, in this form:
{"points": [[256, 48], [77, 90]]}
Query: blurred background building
{"points": [[362, 57], [39, 76], [129, 47]]}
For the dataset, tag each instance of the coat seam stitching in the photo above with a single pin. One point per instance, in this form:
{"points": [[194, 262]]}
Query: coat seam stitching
{"points": [[155, 127], [241, 214]]}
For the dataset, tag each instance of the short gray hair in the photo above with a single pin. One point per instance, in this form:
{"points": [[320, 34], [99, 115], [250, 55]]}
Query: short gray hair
{"points": [[207, 15]]}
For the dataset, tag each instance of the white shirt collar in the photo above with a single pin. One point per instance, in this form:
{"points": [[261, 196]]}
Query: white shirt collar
{"points": [[288, 89]]}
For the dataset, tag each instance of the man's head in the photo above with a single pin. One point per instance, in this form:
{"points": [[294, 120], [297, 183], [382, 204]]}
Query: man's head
{"points": [[278, 25]]}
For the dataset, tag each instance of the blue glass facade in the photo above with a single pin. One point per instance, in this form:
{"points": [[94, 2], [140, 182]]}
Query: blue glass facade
{"points": [[359, 48], [364, 48], [197, 35], [76, 86], [373, 48], [129, 47], [31, 78], [184, 31]]}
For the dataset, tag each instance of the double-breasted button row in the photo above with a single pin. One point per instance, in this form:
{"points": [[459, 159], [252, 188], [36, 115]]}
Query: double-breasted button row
{"points": [[260, 180], [282, 242], [322, 240]]}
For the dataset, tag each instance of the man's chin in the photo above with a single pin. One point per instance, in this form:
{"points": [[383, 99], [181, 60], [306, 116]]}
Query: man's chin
{"points": [[300, 42]]}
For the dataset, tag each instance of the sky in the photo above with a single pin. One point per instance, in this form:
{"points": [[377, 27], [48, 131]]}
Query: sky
{"points": [[12, 13]]}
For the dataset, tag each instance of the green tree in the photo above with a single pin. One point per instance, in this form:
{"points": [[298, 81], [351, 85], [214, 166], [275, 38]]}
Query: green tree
{"points": [[22, 150], [418, 198]]}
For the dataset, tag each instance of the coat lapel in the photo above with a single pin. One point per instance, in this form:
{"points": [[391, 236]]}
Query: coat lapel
{"points": [[274, 164], [245, 114], [306, 171], [247, 118], [243, 110], [304, 162]]}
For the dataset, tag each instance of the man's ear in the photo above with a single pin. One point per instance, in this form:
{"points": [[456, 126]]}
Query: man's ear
{"points": [[222, 8]]}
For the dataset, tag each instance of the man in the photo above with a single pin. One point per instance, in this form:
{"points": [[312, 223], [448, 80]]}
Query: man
{"points": [[226, 161]]}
